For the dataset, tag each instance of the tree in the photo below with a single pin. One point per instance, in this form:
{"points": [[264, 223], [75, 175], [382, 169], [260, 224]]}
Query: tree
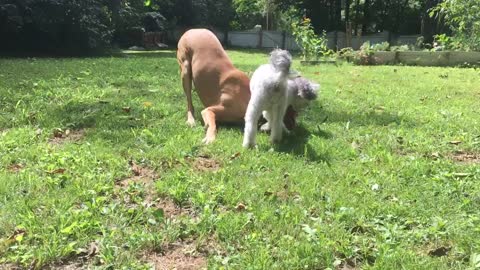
{"points": [[463, 19]]}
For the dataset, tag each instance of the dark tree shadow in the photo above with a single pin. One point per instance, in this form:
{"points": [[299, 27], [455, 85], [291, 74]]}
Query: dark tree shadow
{"points": [[370, 117]]}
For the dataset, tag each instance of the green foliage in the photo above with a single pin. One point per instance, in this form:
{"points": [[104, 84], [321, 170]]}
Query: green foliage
{"points": [[312, 45], [248, 13], [54, 24], [463, 18], [401, 48]]}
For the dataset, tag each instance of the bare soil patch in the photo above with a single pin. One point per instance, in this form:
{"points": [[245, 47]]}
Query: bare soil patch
{"points": [[205, 164], [466, 157], [15, 168], [60, 136], [178, 256]]}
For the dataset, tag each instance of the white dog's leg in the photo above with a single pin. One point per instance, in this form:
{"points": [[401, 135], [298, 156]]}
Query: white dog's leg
{"points": [[251, 121], [277, 125], [266, 127]]}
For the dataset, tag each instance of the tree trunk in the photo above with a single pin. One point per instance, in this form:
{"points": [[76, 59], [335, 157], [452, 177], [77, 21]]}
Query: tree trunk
{"points": [[357, 13], [366, 17], [347, 11], [427, 22], [348, 25]]}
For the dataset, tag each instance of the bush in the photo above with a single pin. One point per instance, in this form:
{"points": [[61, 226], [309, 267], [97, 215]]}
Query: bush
{"points": [[463, 19], [312, 45], [56, 24]]}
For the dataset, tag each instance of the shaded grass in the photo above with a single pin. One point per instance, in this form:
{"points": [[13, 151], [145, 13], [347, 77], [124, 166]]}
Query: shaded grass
{"points": [[365, 180]]}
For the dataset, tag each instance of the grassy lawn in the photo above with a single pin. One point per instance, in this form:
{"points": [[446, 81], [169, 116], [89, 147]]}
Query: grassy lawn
{"points": [[99, 169]]}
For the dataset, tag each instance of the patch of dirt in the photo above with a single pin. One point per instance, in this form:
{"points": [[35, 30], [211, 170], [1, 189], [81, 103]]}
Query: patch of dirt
{"points": [[79, 265], [180, 256], [170, 209], [349, 264], [141, 174], [60, 136], [146, 177], [439, 251], [9, 266], [205, 164], [466, 157], [15, 168], [190, 254]]}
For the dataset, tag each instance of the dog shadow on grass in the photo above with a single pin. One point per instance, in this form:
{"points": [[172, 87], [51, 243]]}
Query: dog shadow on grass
{"points": [[298, 143]]}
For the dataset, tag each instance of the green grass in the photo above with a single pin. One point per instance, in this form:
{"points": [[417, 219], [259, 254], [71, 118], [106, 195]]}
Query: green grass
{"points": [[369, 178]]}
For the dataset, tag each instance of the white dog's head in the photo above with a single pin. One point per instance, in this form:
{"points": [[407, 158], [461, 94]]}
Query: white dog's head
{"points": [[300, 93], [303, 92]]}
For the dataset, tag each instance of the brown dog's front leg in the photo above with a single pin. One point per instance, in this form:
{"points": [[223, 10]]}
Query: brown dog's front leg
{"points": [[209, 118], [187, 88]]}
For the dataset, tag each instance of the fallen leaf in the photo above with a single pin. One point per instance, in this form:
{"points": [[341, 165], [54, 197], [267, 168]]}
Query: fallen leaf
{"points": [[16, 167], [93, 249], [268, 193], [58, 133], [17, 234], [147, 104], [240, 207], [137, 170], [455, 142], [234, 156], [461, 174], [57, 171], [126, 109]]}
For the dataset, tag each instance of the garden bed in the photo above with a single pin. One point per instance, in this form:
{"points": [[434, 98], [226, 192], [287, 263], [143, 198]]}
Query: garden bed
{"points": [[427, 58]]}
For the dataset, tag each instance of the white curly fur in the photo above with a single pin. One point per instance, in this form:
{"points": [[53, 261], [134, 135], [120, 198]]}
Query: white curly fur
{"points": [[268, 87], [300, 92]]}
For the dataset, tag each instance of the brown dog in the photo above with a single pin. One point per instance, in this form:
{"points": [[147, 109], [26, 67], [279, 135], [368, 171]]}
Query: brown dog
{"points": [[223, 89]]}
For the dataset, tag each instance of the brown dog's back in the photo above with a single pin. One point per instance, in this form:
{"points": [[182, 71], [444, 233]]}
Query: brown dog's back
{"points": [[216, 80]]}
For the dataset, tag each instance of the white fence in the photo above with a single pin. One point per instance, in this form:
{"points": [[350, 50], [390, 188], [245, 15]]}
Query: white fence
{"points": [[274, 39]]}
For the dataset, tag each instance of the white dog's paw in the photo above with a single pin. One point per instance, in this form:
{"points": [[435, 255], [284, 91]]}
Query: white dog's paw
{"points": [[191, 122], [276, 139], [265, 127], [248, 144]]}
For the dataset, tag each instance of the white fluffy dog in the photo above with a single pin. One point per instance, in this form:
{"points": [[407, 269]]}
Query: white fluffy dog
{"points": [[268, 87], [300, 92]]}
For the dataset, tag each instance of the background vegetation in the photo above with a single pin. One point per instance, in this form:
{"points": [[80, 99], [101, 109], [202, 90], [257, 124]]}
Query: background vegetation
{"points": [[92, 24]]}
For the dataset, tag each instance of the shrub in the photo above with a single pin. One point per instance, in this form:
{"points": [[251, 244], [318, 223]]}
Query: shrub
{"points": [[463, 18], [312, 45], [56, 24]]}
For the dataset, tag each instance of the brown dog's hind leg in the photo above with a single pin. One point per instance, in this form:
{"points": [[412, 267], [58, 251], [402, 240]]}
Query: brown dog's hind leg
{"points": [[187, 88], [209, 116]]}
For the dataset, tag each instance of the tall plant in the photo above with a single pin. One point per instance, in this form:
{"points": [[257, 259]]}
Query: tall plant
{"points": [[463, 18], [312, 45]]}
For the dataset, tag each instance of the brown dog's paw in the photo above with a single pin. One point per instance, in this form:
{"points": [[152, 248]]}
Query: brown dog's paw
{"points": [[208, 139]]}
